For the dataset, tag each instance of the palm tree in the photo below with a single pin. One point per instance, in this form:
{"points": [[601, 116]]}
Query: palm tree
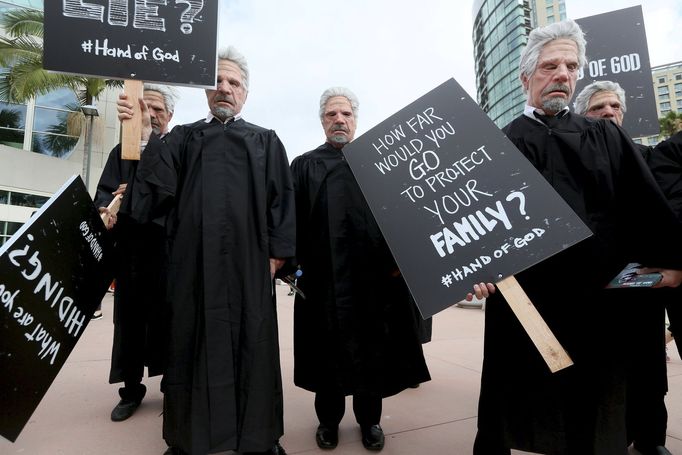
{"points": [[670, 124], [21, 56]]}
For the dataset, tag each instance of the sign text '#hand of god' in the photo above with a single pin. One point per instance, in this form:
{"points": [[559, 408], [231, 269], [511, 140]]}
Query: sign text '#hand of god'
{"points": [[457, 203]]}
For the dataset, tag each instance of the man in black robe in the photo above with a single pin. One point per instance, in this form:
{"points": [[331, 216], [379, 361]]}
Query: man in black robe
{"points": [[354, 332], [226, 189], [666, 165], [647, 380], [138, 325], [594, 166]]}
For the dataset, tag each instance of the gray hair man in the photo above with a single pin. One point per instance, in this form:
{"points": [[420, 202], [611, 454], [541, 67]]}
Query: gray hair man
{"points": [[225, 188], [647, 417], [354, 333], [138, 296], [581, 409], [602, 99]]}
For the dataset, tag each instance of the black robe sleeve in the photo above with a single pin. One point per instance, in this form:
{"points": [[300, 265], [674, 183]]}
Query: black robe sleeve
{"points": [[110, 179], [281, 214], [666, 165]]}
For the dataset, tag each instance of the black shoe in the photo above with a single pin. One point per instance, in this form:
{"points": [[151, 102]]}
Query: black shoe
{"points": [[277, 449], [326, 437], [130, 401], [124, 409], [650, 450], [373, 437]]}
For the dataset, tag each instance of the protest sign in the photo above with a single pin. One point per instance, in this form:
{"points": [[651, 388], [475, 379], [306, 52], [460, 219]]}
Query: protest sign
{"points": [[166, 42], [617, 51], [457, 203], [53, 273]]}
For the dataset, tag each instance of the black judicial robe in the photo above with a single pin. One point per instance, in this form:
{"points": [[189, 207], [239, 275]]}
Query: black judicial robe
{"points": [[355, 331], [139, 337], [595, 167], [230, 203], [666, 165]]}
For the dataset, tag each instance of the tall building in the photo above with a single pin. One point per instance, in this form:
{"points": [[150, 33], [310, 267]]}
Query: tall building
{"points": [[500, 33], [42, 144], [667, 80]]}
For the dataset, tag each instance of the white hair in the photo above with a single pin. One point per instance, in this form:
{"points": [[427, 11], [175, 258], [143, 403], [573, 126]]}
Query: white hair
{"points": [[339, 91], [540, 36], [582, 101], [232, 54], [170, 94]]}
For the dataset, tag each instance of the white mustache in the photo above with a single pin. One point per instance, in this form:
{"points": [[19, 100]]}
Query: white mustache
{"points": [[556, 88]]}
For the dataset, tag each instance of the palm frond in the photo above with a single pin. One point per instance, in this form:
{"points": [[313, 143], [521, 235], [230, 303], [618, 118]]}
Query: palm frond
{"points": [[23, 22]]}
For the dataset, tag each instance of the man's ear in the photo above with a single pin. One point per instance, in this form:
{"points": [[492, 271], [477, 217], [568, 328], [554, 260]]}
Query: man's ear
{"points": [[524, 81]]}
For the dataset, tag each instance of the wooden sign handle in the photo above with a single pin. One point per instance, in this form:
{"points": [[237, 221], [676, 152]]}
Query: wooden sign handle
{"points": [[550, 349], [132, 128], [113, 207]]}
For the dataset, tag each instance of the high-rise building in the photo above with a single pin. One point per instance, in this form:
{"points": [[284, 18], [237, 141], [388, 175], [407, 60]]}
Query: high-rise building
{"points": [[42, 144], [500, 33], [667, 80]]}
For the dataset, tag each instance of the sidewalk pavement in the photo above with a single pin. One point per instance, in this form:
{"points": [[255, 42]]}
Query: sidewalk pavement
{"points": [[437, 418]]}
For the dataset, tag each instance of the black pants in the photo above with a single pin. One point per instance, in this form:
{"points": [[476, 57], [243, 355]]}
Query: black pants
{"points": [[331, 406]]}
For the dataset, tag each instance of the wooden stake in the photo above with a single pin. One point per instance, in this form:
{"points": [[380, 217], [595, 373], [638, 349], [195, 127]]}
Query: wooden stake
{"points": [[550, 349], [113, 207], [132, 129]]}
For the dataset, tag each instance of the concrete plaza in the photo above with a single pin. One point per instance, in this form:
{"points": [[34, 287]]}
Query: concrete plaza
{"points": [[437, 418]]}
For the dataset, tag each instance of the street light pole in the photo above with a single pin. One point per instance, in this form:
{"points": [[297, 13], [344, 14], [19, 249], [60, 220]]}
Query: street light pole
{"points": [[91, 112]]}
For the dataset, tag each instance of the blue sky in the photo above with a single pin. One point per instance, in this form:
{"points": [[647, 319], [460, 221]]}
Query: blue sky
{"points": [[389, 52]]}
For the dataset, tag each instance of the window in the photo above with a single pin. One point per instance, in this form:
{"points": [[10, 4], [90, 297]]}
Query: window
{"points": [[678, 89], [678, 77], [7, 229], [12, 124], [22, 199], [679, 104], [663, 90], [56, 124], [27, 200], [665, 106], [661, 80], [663, 97]]}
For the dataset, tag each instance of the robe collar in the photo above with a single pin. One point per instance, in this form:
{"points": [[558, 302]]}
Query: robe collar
{"points": [[210, 117], [529, 111]]}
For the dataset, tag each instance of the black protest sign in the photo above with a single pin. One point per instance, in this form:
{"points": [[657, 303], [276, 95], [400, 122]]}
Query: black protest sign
{"points": [[53, 273], [457, 203], [617, 51], [167, 42]]}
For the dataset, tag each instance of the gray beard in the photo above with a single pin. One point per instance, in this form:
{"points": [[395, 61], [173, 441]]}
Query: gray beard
{"points": [[223, 113], [553, 105], [339, 139]]}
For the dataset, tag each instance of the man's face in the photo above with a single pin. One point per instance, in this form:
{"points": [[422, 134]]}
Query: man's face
{"points": [[229, 97], [605, 105], [157, 111], [551, 86], [338, 121]]}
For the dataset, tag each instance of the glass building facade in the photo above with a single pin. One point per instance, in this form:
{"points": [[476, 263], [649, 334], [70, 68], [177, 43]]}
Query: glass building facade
{"points": [[500, 33], [49, 124]]}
